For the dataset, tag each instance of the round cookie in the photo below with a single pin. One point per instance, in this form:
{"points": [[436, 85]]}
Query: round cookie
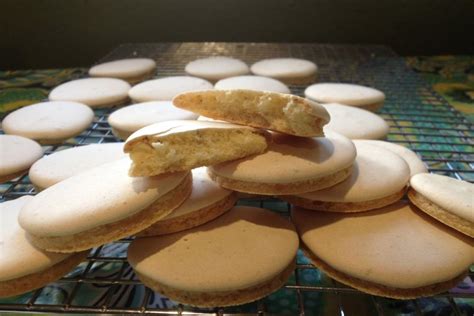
{"points": [[101, 205], [49, 122], [18, 154], [243, 255], [94, 92], [132, 70], [216, 67], [449, 200], [411, 158], [24, 267], [63, 164], [207, 201], [288, 70], [348, 94], [355, 123], [252, 83], [379, 178], [130, 119], [396, 251], [291, 165], [165, 89]]}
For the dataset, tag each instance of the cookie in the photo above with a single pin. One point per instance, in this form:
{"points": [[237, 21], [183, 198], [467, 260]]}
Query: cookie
{"points": [[411, 158], [18, 154], [258, 83], [448, 200], [290, 165], [94, 92], [288, 70], [216, 67], [243, 255], [100, 205], [24, 267], [183, 145], [379, 178], [132, 70], [130, 119], [165, 89], [355, 123], [396, 251], [207, 201], [49, 122], [279, 112], [64, 164], [348, 94]]}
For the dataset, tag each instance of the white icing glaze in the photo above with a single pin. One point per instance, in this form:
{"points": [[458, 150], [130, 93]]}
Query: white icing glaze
{"points": [[18, 257], [377, 173], [49, 120], [17, 153], [123, 68], [284, 68], [165, 89], [63, 164], [252, 83], [216, 67], [355, 123], [291, 159], [102, 195], [344, 93], [455, 196], [92, 91]]}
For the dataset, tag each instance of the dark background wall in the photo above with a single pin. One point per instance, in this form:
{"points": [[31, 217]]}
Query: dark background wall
{"points": [[60, 33]]}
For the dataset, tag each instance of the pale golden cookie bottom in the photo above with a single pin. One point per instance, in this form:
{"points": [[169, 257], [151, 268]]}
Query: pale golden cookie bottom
{"points": [[344, 207], [371, 107], [282, 188], [224, 298], [120, 229], [299, 80], [378, 289], [11, 176], [193, 219], [437, 212], [36, 280], [121, 134]]}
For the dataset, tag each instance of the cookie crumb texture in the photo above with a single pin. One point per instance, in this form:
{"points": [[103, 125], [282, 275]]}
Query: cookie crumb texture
{"points": [[185, 151], [279, 112]]}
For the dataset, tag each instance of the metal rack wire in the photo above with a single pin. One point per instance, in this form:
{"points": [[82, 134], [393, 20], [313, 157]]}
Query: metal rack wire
{"points": [[418, 119]]}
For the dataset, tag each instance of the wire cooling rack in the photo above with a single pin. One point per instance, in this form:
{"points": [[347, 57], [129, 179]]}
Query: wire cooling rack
{"points": [[418, 119]]}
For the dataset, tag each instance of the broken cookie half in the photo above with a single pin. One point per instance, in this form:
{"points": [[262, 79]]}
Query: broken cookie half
{"points": [[280, 112], [183, 145]]}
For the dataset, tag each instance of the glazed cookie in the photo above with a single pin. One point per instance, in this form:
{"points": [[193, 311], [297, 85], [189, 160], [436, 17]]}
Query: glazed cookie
{"points": [[216, 68], [449, 200], [396, 251], [63, 164], [49, 122], [100, 205], [183, 145], [132, 70], [355, 123], [349, 94], [258, 83], [283, 113], [243, 255], [414, 162], [291, 165], [17, 277], [130, 119], [207, 201], [288, 70], [379, 178], [165, 89], [18, 154], [94, 92]]}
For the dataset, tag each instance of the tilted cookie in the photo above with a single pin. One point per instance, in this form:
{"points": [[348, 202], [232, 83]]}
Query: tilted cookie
{"points": [[283, 113], [100, 205], [449, 200], [23, 267], [17, 155], [183, 145]]}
